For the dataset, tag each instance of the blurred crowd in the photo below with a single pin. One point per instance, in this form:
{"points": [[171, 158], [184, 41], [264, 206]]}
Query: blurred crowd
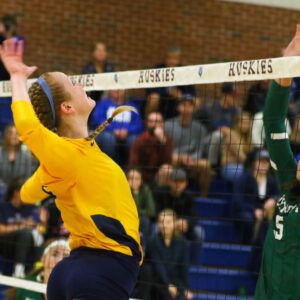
{"points": [[172, 152]]}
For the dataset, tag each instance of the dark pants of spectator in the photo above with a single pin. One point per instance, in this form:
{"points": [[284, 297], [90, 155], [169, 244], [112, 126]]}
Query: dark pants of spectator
{"points": [[143, 288], [161, 291], [115, 149], [17, 247]]}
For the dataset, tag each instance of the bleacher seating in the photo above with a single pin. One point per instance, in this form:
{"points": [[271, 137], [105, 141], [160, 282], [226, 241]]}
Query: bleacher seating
{"points": [[223, 262]]}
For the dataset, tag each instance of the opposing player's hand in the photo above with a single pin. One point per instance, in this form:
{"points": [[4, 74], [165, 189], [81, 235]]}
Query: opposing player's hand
{"points": [[11, 53], [293, 49]]}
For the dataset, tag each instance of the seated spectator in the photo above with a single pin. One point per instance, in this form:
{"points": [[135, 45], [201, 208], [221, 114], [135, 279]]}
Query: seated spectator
{"points": [[152, 148], [164, 99], [19, 230], [118, 137], [168, 253], [229, 147], [162, 177], [52, 255], [255, 196], [189, 142], [222, 112], [15, 159], [98, 65], [258, 132], [144, 201], [177, 197], [256, 96], [51, 217]]}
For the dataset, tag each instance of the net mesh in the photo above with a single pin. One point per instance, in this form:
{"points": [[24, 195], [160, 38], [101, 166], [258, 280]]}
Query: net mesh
{"points": [[196, 162]]}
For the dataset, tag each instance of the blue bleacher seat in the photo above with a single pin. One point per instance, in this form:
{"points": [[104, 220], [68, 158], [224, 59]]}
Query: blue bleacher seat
{"points": [[221, 280], [219, 231], [205, 296], [225, 255], [213, 208]]}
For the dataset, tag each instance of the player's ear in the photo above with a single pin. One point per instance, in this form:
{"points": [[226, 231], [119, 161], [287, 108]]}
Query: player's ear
{"points": [[67, 108]]}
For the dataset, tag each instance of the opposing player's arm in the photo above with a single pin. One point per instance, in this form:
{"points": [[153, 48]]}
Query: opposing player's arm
{"points": [[275, 111]]}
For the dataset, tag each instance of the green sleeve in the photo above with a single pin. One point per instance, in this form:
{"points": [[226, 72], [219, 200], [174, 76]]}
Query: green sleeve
{"points": [[275, 111]]}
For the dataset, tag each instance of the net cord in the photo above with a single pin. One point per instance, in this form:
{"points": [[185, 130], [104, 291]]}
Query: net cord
{"points": [[247, 70], [25, 284]]}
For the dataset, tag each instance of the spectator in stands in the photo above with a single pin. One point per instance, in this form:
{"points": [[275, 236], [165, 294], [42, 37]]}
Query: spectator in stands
{"points": [[19, 230], [52, 255], [176, 196], [165, 99], [144, 201], [162, 177], [258, 132], [54, 225], [15, 158], [236, 144], [189, 141], [98, 64], [256, 96], [255, 195], [229, 147], [152, 148], [168, 253], [118, 137], [220, 113]]}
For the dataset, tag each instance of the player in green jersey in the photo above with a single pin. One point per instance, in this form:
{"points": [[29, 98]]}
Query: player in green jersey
{"points": [[279, 277]]}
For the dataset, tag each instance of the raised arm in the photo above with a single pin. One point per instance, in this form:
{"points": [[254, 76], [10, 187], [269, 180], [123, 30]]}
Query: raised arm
{"points": [[50, 149], [11, 53], [275, 111]]}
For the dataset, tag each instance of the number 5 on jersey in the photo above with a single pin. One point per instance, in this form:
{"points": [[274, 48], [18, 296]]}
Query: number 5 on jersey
{"points": [[278, 231]]}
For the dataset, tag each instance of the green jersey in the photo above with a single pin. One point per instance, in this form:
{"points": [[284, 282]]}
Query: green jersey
{"points": [[22, 294], [279, 277]]}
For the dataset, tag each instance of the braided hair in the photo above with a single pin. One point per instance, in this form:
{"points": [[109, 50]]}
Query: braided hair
{"points": [[41, 104], [42, 108]]}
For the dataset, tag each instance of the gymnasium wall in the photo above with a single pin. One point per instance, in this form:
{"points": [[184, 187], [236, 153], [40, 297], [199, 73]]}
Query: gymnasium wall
{"points": [[60, 33]]}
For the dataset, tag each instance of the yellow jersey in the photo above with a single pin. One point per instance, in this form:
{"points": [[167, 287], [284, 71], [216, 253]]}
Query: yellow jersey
{"points": [[91, 190]]}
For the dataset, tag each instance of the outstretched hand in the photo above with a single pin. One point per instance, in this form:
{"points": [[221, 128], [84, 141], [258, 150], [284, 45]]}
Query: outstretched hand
{"points": [[293, 49], [11, 53]]}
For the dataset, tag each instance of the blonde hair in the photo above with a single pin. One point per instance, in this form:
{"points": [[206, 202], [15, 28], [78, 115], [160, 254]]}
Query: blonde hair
{"points": [[42, 107]]}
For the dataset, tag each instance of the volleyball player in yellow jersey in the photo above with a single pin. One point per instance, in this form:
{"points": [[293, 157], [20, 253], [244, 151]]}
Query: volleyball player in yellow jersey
{"points": [[91, 190]]}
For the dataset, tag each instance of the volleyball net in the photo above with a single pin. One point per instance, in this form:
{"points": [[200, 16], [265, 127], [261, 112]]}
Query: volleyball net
{"points": [[220, 138], [248, 70]]}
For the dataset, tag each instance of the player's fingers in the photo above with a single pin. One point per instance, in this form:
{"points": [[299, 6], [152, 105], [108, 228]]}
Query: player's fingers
{"points": [[298, 30], [20, 48], [10, 46]]}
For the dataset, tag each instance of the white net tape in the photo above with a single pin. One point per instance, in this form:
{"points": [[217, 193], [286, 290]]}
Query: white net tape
{"points": [[248, 70], [25, 284]]}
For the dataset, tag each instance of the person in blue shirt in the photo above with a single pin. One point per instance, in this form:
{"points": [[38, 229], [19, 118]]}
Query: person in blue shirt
{"points": [[120, 134], [19, 230]]}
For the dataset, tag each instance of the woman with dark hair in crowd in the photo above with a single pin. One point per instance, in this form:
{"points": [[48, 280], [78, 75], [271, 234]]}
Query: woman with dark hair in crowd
{"points": [[15, 158], [20, 236], [255, 195]]}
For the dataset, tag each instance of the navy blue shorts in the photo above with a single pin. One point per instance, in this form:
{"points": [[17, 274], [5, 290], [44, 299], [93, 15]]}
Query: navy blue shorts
{"points": [[92, 274]]}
